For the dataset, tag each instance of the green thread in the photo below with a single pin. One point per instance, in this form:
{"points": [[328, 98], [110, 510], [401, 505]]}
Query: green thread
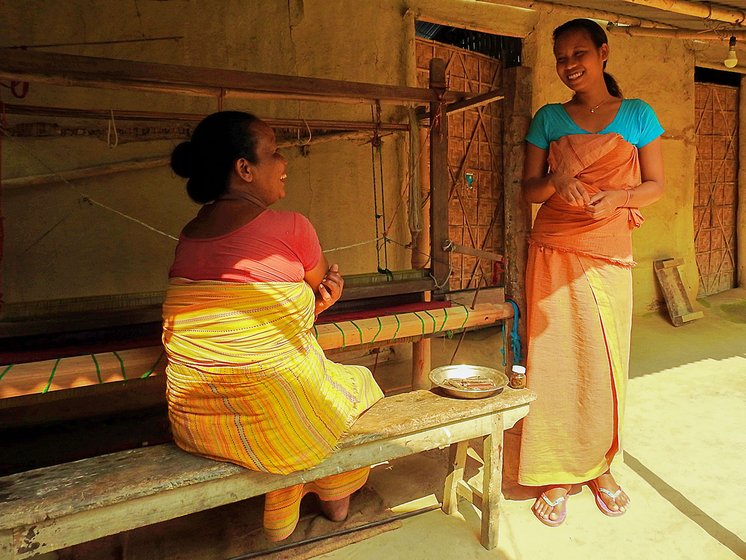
{"points": [[380, 328], [315, 331], [6, 370], [421, 321], [358, 330], [398, 325], [147, 373], [51, 375], [98, 368], [344, 343], [467, 316], [435, 323], [445, 319], [121, 365]]}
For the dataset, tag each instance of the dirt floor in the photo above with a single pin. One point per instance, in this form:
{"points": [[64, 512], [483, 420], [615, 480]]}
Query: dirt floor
{"points": [[684, 443]]}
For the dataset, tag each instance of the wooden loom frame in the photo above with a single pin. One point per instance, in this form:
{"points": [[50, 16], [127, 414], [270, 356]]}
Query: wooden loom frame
{"points": [[72, 70]]}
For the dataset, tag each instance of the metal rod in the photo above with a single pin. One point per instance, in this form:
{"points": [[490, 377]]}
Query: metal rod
{"points": [[338, 533]]}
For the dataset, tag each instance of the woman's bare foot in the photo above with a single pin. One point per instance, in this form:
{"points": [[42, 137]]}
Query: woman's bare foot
{"points": [[336, 510], [543, 508], [616, 500]]}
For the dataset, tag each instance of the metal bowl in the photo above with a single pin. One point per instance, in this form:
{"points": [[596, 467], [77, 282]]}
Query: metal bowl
{"points": [[447, 379]]}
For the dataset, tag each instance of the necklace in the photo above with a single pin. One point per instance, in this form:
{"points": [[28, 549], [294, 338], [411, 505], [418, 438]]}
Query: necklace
{"points": [[593, 109]]}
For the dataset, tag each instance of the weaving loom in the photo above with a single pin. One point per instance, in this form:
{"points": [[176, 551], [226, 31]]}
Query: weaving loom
{"points": [[346, 332]]}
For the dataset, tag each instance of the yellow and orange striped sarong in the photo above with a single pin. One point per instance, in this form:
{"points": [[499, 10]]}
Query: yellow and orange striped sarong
{"points": [[248, 383], [579, 310]]}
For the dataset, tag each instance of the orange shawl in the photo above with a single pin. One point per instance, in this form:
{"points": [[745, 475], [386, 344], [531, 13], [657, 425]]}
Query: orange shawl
{"points": [[601, 162]]}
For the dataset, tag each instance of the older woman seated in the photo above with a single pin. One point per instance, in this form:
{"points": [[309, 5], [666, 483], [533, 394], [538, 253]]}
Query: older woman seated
{"points": [[247, 381]]}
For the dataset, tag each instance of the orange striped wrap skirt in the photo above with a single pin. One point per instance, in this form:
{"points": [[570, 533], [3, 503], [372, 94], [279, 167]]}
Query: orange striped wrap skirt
{"points": [[248, 383]]}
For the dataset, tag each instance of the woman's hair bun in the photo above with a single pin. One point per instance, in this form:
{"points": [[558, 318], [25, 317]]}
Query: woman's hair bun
{"points": [[182, 159]]}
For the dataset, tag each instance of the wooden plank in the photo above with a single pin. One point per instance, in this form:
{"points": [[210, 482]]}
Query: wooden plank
{"points": [[677, 301], [671, 263], [487, 255], [474, 102], [107, 73], [87, 499], [392, 288]]}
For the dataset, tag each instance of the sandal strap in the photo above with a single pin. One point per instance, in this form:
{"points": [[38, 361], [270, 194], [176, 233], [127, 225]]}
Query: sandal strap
{"points": [[609, 493], [551, 503]]}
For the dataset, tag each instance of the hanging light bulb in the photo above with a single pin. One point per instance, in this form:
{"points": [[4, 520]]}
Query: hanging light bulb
{"points": [[732, 59]]}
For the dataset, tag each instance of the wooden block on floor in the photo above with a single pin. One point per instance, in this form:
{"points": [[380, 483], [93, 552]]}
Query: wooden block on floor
{"points": [[677, 301]]}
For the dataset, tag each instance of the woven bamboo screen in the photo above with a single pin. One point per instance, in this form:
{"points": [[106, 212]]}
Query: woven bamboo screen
{"points": [[716, 189], [475, 214]]}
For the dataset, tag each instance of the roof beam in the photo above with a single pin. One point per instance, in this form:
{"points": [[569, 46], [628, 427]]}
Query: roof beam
{"points": [[705, 35], [704, 10], [586, 12]]}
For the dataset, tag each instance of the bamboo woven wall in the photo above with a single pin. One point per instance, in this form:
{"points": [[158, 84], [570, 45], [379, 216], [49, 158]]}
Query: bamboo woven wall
{"points": [[475, 214], [716, 189]]}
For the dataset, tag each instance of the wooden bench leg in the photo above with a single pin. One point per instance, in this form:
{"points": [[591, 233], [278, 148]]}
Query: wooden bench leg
{"points": [[492, 483], [456, 463]]}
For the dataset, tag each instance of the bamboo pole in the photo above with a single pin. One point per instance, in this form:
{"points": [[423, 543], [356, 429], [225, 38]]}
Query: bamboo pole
{"points": [[151, 163], [105, 114], [704, 10], [705, 35], [86, 172], [586, 12]]}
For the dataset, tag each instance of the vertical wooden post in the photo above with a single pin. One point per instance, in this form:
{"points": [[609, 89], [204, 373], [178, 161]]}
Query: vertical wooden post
{"points": [[516, 118], [456, 465], [422, 349], [492, 483], [439, 183]]}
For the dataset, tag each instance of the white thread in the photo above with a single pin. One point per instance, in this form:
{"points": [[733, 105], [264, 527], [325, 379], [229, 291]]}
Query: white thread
{"points": [[308, 129], [87, 198], [112, 124]]}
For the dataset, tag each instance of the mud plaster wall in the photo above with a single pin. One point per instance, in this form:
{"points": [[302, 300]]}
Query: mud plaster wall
{"points": [[59, 246]]}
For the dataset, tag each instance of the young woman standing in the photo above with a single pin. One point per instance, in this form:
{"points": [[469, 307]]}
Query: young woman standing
{"points": [[591, 163]]}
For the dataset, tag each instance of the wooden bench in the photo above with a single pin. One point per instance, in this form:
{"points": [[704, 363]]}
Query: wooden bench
{"points": [[56, 507]]}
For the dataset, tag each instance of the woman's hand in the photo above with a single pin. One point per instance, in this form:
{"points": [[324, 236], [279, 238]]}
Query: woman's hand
{"points": [[570, 190], [604, 203], [330, 289]]}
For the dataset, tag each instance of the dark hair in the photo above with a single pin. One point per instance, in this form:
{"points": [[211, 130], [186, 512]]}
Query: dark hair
{"points": [[206, 160], [598, 36]]}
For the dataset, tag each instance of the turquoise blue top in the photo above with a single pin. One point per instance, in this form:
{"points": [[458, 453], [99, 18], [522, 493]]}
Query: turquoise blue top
{"points": [[635, 122]]}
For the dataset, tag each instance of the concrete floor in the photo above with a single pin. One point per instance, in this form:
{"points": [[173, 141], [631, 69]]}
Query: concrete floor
{"points": [[684, 442]]}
